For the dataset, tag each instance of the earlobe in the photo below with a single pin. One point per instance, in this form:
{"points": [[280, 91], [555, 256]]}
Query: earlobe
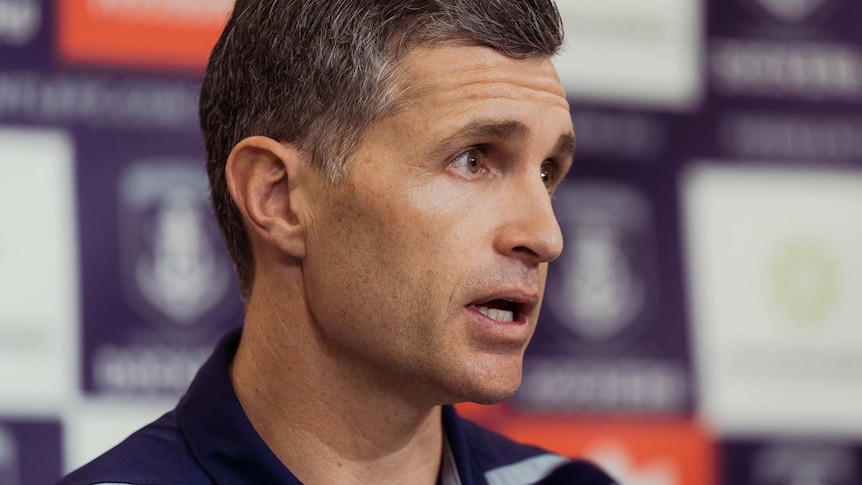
{"points": [[261, 175]]}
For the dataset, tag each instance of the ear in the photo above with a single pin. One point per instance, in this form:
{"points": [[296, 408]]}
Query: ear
{"points": [[261, 175]]}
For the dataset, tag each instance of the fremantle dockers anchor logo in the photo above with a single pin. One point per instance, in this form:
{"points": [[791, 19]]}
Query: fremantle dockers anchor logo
{"points": [[791, 11], [607, 268], [172, 269]]}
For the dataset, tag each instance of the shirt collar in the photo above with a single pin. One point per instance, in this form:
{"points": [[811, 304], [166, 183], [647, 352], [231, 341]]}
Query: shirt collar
{"points": [[448, 468], [456, 445], [217, 430], [224, 442]]}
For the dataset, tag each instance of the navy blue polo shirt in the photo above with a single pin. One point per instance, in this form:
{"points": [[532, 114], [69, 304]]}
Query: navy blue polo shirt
{"points": [[207, 439]]}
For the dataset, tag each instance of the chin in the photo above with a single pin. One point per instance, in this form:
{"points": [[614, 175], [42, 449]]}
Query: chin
{"points": [[482, 378], [480, 391], [492, 398], [492, 390]]}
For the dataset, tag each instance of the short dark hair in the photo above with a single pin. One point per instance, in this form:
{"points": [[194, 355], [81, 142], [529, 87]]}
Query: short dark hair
{"points": [[317, 73]]}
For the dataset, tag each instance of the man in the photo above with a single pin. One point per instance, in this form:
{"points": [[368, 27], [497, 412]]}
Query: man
{"points": [[382, 171]]}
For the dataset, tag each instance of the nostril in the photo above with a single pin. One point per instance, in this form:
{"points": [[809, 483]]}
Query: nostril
{"points": [[526, 250]]}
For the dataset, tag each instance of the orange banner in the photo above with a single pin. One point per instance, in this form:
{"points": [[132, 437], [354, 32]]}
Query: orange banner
{"points": [[665, 453], [172, 34], [633, 450]]}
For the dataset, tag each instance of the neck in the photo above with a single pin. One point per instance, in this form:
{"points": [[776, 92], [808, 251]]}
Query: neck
{"points": [[325, 418]]}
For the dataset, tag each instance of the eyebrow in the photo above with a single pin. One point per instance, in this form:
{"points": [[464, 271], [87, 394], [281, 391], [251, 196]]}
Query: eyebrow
{"points": [[507, 130], [566, 146]]}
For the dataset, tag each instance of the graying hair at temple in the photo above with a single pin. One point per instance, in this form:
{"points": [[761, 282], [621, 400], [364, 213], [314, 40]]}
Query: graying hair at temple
{"points": [[317, 73]]}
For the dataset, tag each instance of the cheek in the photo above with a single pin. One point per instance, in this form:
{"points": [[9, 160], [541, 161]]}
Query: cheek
{"points": [[405, 253], [366, 266]]}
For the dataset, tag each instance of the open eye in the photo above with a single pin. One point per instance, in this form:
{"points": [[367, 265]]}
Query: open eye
{"points": [[468, 162], [549, 173]]}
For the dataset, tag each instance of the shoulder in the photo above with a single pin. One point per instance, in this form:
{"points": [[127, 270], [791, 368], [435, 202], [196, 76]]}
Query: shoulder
{"points": [[156, 454], [502, 461]]}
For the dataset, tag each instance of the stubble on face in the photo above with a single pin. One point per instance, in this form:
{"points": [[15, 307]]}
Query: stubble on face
{"points": [[400, 250]]}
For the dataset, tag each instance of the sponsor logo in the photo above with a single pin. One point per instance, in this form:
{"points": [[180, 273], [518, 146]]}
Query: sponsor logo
{"points": [[37, 265], [8, 459], [781, 136], [786, 59], [607, 268], [131, 103], [633, 136], [171, 12], [644, 53], [804, 278], [644, 386], [158, 33], [20, 21], [806, 465], [784, 355], [812, 71], [146, 369], [172, 268]]}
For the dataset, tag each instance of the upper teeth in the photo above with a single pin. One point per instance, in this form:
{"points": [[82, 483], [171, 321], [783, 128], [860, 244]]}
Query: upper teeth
{"points": [[497, 314]]}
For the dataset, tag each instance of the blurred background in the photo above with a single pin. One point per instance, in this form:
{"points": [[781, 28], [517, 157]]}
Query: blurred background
{"points": [[703, 326]]}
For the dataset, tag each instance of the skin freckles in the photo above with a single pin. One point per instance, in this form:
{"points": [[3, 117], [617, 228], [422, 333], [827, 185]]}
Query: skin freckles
{"points": [[397, 253]]}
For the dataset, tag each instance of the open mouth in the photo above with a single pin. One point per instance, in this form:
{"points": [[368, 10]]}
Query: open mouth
{"points": [[500, 310]]}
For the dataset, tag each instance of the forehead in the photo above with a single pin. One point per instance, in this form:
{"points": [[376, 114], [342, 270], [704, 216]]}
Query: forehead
{"points": [[456, 74]]}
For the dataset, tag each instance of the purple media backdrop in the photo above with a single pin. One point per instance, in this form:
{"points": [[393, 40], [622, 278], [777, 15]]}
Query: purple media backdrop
{"points": [[30, 451], [162, 289], [784, 82], [611, 337], [620, 336], [771, 462]]}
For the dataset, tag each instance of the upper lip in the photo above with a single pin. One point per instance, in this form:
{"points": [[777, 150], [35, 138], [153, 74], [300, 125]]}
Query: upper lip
{"points": [[525, 300]]}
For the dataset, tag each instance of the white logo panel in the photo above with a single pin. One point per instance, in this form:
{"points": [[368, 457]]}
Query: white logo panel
{"points": [[775, 274], [644, 53], [38, 269], [101, 424]]}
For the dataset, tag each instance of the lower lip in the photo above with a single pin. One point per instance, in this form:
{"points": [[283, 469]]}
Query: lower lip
{"points": [[487, 329]]}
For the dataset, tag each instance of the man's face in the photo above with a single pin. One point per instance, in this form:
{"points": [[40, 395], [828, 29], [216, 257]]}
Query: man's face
{"points": [[426, 268]]}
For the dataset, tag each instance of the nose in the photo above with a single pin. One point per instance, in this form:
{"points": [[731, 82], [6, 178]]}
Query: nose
{"points": [[529, 228]]}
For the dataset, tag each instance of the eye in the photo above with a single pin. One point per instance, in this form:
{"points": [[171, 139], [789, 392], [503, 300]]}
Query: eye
{"points": [[549, 173], [468, 162]]}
